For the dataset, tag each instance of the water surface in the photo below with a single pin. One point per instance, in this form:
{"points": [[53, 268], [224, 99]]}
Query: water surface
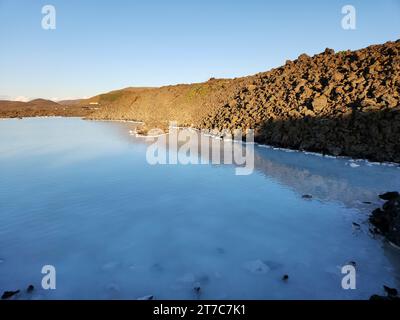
{"points": [[80, 195]]}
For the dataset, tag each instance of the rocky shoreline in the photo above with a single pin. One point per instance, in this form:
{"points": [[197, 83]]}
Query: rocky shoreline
{"points": [[386, 220], [342, 104]]}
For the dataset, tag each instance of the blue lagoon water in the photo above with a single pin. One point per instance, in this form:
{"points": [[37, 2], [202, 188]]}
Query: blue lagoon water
{"points": [[80, 195]]}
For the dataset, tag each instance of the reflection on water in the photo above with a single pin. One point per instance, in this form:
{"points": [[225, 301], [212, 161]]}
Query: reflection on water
{"points": [[329, 179], [354, 183], [80, 195]]}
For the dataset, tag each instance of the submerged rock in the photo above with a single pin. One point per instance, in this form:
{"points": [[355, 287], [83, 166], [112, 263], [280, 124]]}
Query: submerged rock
{"points": [[356, 225], [306, 196], [257, 267], [390, 291], [9, 294], [157, 268], [197, 288], [30, 288], [353, 263], [149, 297], [285, 277]]}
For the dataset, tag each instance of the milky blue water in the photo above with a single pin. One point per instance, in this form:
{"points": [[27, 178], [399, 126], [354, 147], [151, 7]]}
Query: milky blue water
{"points": [[80, 195]]}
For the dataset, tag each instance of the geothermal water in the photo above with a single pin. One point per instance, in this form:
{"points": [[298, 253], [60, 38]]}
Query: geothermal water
{"points": [[80, 196]]}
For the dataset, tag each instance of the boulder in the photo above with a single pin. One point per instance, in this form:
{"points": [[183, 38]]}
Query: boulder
{"points": [[390, 100], [387, 218], [389, 195], [9, 294], [337, 76], [329, 51], [320, 103]]}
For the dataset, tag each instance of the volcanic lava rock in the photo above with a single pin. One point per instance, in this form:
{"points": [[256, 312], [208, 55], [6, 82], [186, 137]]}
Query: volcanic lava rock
{"points": [[387, 218], [344, 104], [9, 294], [389, 195]]}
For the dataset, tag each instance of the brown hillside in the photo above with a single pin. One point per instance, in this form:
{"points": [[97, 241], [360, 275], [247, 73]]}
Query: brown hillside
{"points": [[188, 104], [344, 103]]}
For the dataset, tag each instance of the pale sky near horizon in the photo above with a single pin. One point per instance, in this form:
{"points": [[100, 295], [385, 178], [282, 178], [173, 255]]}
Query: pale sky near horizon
{"points": [[99, 46]]}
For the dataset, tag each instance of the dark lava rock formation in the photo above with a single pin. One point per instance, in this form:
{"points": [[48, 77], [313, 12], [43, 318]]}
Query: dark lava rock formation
{"points": [[344, 103], [387, 219]]}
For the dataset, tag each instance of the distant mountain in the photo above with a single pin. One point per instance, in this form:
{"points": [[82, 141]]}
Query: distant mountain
{"points": [[42, 103], [6, 104], [32, 103], [38, 107]]}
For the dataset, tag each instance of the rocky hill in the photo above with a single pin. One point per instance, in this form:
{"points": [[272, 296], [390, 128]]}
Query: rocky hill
{"points": [[188, 104], [344, 103]]}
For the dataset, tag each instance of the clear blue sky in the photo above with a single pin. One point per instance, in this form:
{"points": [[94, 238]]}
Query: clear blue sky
{"points": [[103, 45]]}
